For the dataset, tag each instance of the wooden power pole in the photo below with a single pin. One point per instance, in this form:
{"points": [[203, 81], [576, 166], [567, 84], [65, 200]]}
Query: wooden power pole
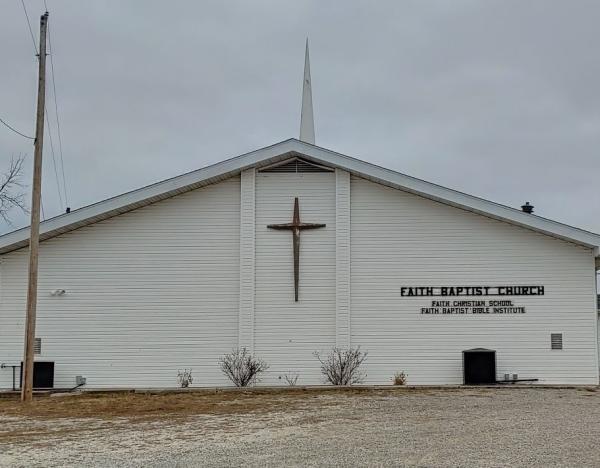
{"points": [[34, 237]]}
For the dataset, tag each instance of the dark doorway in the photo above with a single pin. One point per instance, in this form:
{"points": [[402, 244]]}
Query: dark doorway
{"points": [[479, 366]]}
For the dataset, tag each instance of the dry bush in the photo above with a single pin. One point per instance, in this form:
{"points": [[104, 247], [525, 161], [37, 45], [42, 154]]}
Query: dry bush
{"points": [[185, 378], [292, 378], [241, 367], [399, 378], [341, 366]]}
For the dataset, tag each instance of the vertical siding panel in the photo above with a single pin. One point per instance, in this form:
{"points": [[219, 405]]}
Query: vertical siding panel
{"points": [[247, 259], [399, 239], [342, 257], [594, 300], [148, 292], [287, 332]]}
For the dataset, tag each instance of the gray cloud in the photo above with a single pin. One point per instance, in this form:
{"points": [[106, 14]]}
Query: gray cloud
{"points": [[496, 98]]}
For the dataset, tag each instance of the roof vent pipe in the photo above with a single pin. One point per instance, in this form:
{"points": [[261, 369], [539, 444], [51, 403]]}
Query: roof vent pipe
{"points": [[527, 208]]}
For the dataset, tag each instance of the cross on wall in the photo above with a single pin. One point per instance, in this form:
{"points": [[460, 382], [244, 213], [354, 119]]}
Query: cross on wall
{"points": [[296, 226]]}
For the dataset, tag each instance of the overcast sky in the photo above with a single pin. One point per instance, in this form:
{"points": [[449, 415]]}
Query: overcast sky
{"points": [[498, 99]]}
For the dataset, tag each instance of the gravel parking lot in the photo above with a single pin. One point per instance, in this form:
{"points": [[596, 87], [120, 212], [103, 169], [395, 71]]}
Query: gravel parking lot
{"points": [[423, 427]]}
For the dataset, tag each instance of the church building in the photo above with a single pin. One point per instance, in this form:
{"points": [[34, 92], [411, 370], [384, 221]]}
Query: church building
{"points": [[294, 249]]}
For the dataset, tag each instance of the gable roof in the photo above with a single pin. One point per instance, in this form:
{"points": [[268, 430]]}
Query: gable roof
{"points": [[278, 152]]}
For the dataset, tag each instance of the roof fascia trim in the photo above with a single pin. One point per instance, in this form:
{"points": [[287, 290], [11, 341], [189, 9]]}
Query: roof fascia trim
{"points": [[279, 152], [150, 194], [453, 197]]}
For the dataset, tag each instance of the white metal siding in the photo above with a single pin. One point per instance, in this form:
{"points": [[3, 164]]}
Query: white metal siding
{"points": [[288, 332], [247, 258], [147, 293], [399, 239], [342, 257], [162, 288]]}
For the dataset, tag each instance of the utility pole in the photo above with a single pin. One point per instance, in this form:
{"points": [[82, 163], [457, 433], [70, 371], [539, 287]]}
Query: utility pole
{"points": [[34, 237]]}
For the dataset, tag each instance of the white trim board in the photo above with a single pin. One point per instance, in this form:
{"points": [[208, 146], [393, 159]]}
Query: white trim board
{"points": [[278, 152]]}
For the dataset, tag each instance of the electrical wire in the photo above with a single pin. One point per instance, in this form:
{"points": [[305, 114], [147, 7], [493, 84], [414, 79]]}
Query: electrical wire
{"points": [[60, 146], [53, 158], [15, 130], [29, 25], [45, 108]]}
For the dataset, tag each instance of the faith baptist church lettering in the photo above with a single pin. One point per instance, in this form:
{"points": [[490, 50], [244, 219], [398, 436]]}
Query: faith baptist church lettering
{"points": [[428, 291], [473, 307], [176, 274]]}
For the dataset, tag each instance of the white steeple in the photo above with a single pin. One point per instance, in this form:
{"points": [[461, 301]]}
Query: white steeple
{"points": [[307, 122]]}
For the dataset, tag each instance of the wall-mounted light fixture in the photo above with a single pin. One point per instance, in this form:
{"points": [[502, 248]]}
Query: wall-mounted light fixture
{"points": [[58, 292]]}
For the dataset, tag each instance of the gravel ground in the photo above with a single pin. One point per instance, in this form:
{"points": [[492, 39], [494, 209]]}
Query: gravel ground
{"points": [[426, 428]]}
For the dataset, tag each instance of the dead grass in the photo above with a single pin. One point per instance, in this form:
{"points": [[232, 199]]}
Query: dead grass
{"points": [[112, 410], [156, 406], [149, 406]]}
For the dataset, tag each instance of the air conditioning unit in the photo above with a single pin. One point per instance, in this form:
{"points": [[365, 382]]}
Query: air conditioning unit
{"points": [[43, 374]]}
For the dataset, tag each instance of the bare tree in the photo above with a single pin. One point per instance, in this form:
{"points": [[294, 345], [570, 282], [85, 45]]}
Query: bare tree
{"points": [[241, 367], [11, 188], [341, 366]]}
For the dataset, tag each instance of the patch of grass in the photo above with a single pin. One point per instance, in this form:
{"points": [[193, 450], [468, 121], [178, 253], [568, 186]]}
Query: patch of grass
{"points": [[155, 406], [132, 405]]}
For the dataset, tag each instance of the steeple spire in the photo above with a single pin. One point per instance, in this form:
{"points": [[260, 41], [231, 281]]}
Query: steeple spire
{"points": [[307, 122]]}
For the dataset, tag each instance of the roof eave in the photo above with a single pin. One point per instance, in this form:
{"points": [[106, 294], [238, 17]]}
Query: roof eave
{"points": [[464, 201], [278, 152], [144, 196]]}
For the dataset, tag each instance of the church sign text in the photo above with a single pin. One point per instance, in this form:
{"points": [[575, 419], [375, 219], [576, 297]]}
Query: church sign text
{"points": [[429, 291], [472, 306]]}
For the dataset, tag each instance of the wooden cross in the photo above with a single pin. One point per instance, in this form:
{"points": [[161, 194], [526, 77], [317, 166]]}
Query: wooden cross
{"points": [[296, 226]]}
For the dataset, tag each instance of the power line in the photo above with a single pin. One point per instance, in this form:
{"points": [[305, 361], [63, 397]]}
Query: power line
{"points": [[36, 53], [29, 25], [60, 146], [46, 110], [53, 158], [16, 131]]}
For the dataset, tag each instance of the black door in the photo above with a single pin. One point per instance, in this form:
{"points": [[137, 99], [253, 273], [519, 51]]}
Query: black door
{"points": [[479, 366]]}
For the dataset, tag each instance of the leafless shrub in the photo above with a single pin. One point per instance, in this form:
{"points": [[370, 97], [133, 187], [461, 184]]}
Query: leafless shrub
{"points": [[11, 194], [399, 378], [292, 378], [241, 367], [185, 378], [341, 366]]}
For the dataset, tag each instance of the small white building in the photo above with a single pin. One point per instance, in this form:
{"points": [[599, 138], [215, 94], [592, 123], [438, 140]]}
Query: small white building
{"points": [[176, 274]]}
